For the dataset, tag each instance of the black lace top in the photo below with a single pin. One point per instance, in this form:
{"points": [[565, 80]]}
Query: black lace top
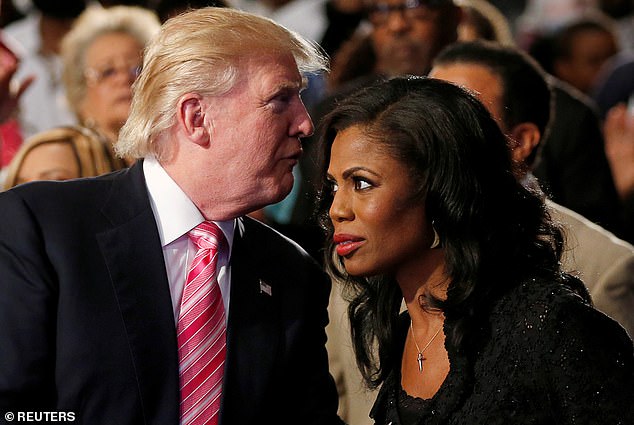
{"points": [[546, 358]]}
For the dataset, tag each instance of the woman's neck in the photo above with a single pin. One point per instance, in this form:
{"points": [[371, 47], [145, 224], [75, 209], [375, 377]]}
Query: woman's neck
{"points": [[426, 277]]}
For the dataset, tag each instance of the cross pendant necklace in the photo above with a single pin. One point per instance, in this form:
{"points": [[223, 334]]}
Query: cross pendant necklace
{"points": [[419, 356]]}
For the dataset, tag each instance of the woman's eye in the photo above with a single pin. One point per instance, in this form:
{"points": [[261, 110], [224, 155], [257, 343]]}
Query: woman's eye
{"points": [[332, 186], [361, 184]]}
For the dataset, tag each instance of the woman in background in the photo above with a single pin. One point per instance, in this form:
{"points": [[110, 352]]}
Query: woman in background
{"points": [[425, 208], [60, 154], [102, 57]]}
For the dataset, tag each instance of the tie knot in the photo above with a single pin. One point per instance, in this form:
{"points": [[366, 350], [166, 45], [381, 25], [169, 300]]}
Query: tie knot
{"points": [[206, 235]]}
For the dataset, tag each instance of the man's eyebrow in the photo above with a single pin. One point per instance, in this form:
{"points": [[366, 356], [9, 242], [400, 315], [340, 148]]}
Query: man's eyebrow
{"points": [[288, 86]]}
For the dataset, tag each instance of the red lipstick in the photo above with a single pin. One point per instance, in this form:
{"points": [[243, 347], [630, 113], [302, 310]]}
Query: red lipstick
{"points": [[347, 244]]}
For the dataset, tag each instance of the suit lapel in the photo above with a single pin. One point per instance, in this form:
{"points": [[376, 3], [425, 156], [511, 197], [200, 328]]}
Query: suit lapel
{"points": [[253, 330], [133, 255]]}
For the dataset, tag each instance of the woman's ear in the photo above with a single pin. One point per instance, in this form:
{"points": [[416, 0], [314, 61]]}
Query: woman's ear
{"points": [[191, 118], [525, 138]]}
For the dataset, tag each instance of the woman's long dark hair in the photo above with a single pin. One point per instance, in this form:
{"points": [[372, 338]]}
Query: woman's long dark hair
{"points": [[495, 233]]}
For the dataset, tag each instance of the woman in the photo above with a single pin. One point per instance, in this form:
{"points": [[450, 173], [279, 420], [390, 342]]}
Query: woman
{"points": [[425, 209], [60, 154], [102, 57]]}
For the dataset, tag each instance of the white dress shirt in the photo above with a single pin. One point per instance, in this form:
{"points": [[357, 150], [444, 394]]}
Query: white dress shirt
{"points": [[176, 215]]}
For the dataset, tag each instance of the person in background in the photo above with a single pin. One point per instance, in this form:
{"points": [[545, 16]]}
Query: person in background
{"points": [[622, 11], [151, 281], [102, 57], [11, 90], [581, 49], [616, 83], [62, 153], [422, 206], [10, 95], [572, 167], [483, 21], [619, 147], [39, 35], [515, 90], [542, 17], [615, 97]]}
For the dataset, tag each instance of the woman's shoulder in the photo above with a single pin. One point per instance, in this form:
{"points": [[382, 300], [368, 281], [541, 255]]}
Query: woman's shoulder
{"points": [[541, 295], [547, 315], [556, 348]]}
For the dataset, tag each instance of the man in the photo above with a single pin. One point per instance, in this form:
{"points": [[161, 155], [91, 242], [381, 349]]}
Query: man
{"points": [[515, 91], [145, 296], [407, 35]]}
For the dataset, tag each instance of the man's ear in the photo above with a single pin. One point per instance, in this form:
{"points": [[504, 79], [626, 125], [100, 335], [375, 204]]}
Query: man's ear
{"points": [[525, 138], [191, 118]]}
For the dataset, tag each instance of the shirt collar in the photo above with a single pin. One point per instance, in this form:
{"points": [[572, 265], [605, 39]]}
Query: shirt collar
{"points": [[174, 212]]}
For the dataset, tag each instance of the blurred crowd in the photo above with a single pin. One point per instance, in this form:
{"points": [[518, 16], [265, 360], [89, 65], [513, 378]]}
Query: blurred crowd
{"points": [[67, 69], [77, 60]]}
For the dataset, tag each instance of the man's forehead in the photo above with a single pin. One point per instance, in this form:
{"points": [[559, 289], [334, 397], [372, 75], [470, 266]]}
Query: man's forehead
{"points": [[270, 72]]}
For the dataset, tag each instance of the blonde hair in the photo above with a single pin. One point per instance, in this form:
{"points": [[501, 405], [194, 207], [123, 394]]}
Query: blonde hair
{"points": [[199, 52], [139, 23], [94, 154]]}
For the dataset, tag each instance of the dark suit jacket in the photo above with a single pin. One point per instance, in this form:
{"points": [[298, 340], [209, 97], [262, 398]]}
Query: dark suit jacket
{"points": [[86, 322], [573, 169]]}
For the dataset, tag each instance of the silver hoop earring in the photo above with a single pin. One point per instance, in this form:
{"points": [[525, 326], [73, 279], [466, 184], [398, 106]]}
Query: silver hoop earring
{"points": [[436, 242]]}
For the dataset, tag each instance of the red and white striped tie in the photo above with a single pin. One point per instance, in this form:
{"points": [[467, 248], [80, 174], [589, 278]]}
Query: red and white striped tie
{"points": [[201, 332]]}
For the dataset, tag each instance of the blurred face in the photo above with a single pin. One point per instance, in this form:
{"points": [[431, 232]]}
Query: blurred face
{"points": [[408, 34], [477, 78], [489, 89], [378, 226], [112, 63], [589, 52], [49, 161], [255, 130]]}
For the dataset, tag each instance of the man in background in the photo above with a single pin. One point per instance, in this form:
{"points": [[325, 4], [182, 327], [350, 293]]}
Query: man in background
{"points": [[514, 89]]}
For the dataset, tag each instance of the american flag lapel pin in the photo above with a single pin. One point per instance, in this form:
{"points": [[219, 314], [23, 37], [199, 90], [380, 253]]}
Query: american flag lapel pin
{"points": [[265, 288]]}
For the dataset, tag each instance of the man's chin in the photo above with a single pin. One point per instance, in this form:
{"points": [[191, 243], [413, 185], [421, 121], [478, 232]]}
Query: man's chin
{"points": [[279, 193]]}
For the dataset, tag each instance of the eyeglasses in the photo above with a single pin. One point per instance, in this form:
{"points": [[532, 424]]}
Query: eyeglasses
{"points": [[411, 10], [108, 73]]}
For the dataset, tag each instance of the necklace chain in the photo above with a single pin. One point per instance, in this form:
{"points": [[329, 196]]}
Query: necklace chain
{"points": [[419, 356]]}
